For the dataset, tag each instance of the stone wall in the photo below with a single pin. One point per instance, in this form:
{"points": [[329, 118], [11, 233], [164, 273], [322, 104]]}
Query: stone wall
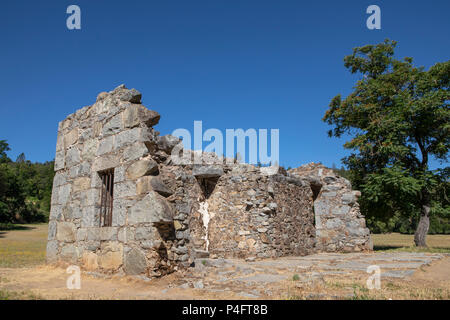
{"points": [[114, 133], [339, 224], [252, 215], [166, 215], [243, 214]]}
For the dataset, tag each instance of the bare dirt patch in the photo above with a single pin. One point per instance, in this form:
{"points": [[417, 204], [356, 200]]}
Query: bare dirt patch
{"points": [[312, 277], [45, 282]]}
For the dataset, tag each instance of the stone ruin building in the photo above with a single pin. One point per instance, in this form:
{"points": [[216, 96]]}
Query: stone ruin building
{"points": [[120, 204]]}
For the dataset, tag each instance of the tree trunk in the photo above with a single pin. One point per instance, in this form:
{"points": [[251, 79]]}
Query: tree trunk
{"points": [[424, 224]]}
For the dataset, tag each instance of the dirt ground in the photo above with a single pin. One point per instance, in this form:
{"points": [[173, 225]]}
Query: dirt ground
{"points": [[404, 275], [46, 282]]}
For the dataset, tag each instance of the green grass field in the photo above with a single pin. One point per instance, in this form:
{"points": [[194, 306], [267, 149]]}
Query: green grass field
{"points": [[437, 243], [24, 246]]}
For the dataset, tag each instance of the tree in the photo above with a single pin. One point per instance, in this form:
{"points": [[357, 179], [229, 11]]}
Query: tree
{"points": [[398, 117], [3, 148], [25, 188], [21, 158], [12, 197]]}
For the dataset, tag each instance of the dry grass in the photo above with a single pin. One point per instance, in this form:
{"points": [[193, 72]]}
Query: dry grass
{"points": [[405, 242], [23, 247], [355, 288], [19, 295]]}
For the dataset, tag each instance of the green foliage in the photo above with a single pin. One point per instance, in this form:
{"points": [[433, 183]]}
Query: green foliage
{"points": [[398, 117], [360, 292], [343, 173], [25, 188], [3, 148], [381, 188]]}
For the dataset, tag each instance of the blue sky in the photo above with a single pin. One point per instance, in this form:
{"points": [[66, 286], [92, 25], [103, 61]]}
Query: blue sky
{"points": [[232, 64]]}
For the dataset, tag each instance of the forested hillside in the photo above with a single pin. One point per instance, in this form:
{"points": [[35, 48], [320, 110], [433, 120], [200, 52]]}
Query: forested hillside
{"points": [[25, 188]]}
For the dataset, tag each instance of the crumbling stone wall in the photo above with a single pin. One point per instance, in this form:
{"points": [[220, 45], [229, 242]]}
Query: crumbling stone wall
{"points": [[243, 214], [114, 133], [339, 224], [252, 215], [166, 215]]}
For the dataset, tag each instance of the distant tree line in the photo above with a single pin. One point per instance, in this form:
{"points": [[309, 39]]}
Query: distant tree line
{"points": [[25, 188]]}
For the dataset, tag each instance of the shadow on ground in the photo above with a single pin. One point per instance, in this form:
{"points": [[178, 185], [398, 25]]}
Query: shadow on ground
{"points": [[4, 229], [399, 248], [383, 248]]}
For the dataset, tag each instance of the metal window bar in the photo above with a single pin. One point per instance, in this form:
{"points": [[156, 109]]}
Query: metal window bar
{"points": [[106, 204]]}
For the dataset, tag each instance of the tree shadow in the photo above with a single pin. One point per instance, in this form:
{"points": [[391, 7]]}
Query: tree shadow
{"points": [[4, 228], [383, 248], [411, 249]]}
